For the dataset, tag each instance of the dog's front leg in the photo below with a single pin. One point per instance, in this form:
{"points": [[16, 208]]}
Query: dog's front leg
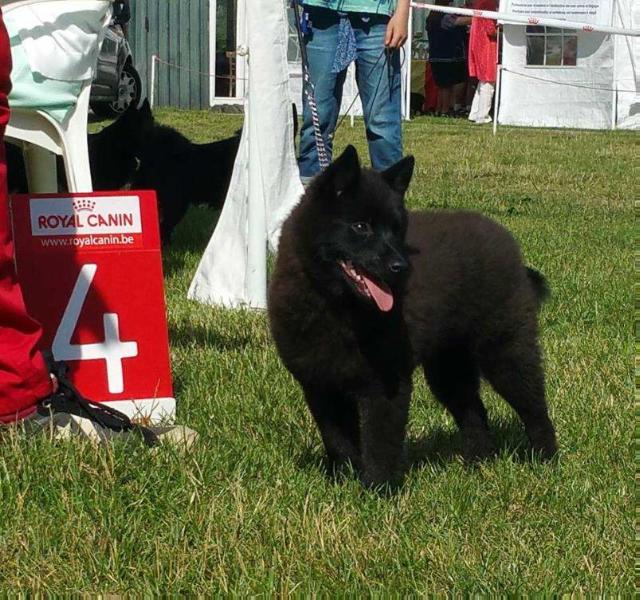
{"points": [[337, 420], [383, 423]]}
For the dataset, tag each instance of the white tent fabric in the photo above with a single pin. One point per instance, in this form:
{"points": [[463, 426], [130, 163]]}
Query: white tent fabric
{"points": [[265, 184], [627, 15], [600, 92]]}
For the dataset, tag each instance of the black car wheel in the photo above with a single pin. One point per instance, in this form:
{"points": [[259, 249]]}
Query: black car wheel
{"points": [[129, 92]]}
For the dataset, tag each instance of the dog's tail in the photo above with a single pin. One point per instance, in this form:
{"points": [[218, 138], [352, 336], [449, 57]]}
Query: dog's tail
{"points": [[539, 285]]}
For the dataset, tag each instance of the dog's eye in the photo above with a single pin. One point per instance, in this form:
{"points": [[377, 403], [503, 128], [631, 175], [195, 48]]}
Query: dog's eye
{"points": [[362, 228]]}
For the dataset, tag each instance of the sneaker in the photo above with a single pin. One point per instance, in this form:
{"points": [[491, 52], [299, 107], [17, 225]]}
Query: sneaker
{"points": [[67, 413]]}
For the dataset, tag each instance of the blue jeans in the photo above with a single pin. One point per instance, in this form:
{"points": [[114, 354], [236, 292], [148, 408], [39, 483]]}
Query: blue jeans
{"points": [[378, 79]]}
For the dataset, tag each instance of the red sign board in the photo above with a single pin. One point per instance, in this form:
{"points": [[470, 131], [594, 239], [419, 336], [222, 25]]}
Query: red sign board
{"points": [[91, 272]]}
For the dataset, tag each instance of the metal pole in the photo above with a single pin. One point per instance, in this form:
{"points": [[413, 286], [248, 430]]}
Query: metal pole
{"points": [[152, 93], [256, 218], [614, 99], [496, 99]]}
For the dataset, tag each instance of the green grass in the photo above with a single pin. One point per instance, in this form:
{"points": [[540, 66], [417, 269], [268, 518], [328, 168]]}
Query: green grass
{"points": [[249, 511]]}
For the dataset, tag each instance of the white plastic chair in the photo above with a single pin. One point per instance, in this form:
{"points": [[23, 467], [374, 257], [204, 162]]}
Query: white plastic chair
{"points": [[41, 136]]}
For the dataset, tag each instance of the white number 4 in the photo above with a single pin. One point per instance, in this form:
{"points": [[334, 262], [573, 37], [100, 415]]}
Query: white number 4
{"points": [[112, 350]]}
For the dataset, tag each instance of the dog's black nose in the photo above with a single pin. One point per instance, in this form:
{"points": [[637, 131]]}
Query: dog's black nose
{"points": [[398, 265]]}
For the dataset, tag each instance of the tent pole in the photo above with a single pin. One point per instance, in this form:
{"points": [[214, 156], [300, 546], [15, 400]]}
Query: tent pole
{"points": [[496, 98], [152, 83], [614, 99], [256, 217]]}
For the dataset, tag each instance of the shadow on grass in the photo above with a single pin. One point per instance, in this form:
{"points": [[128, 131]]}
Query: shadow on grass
{"points": [[443, 446], [436, 450], [190, 237], [185, 334]]}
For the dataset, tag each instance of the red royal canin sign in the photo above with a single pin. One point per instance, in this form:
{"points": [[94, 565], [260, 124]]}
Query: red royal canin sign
{"points": [[91, 272]]}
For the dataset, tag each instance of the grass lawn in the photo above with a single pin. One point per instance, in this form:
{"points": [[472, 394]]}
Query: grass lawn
{"points": [[249, 511]]}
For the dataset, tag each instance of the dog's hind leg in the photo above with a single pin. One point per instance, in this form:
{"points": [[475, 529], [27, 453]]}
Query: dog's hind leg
{"points": [[454, 379], [337, 420], [383, 423], [514, 369]]}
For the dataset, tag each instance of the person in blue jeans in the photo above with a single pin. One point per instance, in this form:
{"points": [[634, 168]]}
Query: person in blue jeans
{"points": [[371, 32]]}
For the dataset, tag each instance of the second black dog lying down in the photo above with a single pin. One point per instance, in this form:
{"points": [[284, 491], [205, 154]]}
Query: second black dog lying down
{"points": [[364, 291], [181, 172], [114, 150], [135, 149]]}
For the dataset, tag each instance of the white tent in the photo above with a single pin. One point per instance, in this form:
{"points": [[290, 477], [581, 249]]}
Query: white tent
{"points": [[554, 77], [265, 184]]}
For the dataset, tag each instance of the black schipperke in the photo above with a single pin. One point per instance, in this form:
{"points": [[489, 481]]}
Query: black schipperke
{"points": [[363, 292], [114, 151], [181, 172], [184, 173]]}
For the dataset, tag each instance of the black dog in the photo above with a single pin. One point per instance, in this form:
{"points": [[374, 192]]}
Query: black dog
{"points": [[114, 151], [184, 173], [181, 172], [113, 154], [363, 292]]}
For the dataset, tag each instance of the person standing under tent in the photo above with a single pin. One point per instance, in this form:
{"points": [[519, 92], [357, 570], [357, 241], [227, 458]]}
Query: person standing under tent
{"points": [[483, 61], [371, 32]]}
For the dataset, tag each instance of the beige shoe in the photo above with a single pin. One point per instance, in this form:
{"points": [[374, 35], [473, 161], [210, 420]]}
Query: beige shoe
{"points": [[66, 414], [64, 426]]}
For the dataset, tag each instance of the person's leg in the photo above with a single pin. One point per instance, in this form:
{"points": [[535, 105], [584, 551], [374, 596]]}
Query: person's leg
{"points": [[24, 378], [486, 89], [475, 105], [321, 48], [447, 100], [378, 76], [459, 91]]}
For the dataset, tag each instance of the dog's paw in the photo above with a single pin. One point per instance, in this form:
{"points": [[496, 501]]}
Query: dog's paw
{"points": [[477, 449]]}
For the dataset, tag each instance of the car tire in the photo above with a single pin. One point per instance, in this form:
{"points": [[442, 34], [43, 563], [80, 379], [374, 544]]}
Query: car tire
{"points": [[129, 93]]}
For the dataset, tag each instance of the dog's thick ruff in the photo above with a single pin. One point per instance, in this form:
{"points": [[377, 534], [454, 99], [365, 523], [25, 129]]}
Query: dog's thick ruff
{"points": [[467, 308]]}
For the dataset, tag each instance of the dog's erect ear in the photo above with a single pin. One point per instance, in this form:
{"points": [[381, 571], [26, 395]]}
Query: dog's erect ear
{"points": [[398, 176], [344, 172]]}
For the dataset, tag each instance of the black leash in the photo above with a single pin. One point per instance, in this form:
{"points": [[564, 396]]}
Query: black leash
{"points": [[309, 91], [68, 399]]}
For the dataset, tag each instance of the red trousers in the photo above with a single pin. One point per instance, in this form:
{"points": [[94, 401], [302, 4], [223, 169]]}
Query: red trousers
{"points": [[24, 379]]}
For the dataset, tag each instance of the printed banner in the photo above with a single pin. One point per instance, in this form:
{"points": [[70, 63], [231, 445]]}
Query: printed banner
{"points": [[592, 12], [91, 273]]}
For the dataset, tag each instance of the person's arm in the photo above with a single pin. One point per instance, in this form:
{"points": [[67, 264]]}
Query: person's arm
{"points": [[398, 26]]}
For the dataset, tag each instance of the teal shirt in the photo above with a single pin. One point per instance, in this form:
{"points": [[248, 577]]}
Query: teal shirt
{"points": [[376, 7]]}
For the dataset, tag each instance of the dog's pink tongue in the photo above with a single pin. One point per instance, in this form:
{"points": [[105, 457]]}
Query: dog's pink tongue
{"points": [[381, 295]]}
